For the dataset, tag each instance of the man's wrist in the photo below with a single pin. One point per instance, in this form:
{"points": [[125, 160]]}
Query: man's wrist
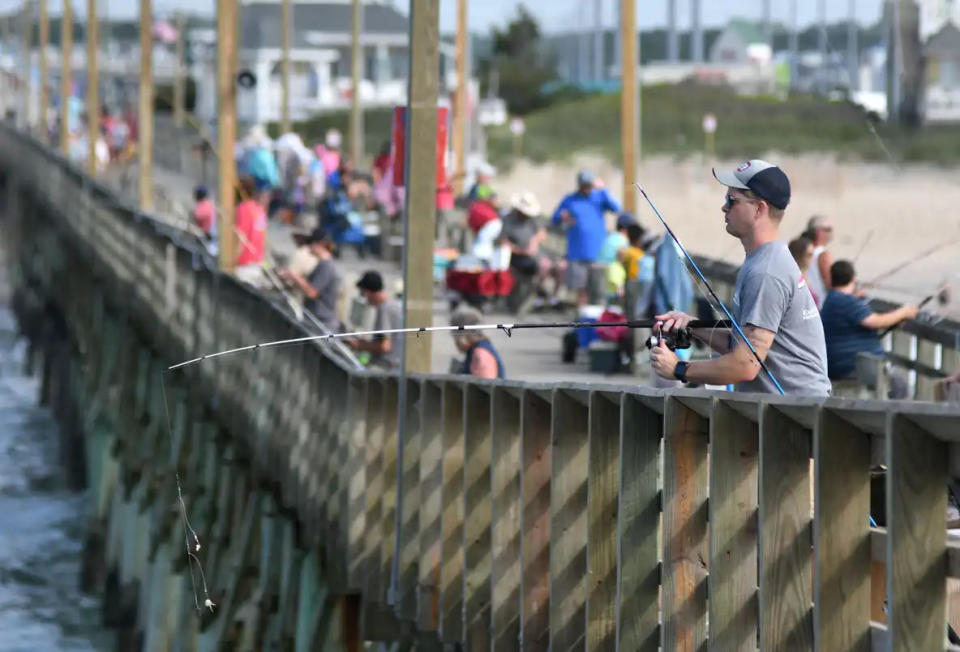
{"points": [[680, 371]]}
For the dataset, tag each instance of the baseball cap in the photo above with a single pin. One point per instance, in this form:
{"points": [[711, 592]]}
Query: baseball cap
{"points": [[585, 178], [818, 222], [370, 281], [625, 219], [485, 192], [764, 179]]}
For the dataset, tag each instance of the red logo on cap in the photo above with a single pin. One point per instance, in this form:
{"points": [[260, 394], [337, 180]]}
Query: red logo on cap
{"points": [[743, 167]]}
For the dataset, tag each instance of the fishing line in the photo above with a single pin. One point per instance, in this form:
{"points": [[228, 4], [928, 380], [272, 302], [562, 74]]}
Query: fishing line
{"points": [[506, 328]]}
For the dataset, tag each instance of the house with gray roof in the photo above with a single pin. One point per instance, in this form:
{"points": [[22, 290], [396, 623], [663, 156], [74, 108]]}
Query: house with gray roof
{"points": [[740, 42], [940, 100], [320, 55]]}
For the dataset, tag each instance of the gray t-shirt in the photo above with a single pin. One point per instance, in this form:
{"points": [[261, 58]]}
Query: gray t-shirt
{"points": [[519, 229], [389, 315], [770, 293], [326, 281]]}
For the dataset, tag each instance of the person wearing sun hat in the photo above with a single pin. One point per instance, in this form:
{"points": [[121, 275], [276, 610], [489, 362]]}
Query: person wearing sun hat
{"points": [[771, 302]]}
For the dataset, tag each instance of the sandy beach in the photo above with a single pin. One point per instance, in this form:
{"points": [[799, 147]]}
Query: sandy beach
{"points": [[886, 214]]}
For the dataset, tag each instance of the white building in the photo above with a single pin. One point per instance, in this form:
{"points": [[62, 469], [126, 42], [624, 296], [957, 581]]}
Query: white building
{"points": [[320, 55]]}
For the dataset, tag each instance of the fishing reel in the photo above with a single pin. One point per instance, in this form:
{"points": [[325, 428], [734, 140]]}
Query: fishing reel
{"points": [[680, 338]]}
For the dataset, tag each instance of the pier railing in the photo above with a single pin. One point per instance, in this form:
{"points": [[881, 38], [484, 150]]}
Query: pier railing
{"points": [[528, 516]]}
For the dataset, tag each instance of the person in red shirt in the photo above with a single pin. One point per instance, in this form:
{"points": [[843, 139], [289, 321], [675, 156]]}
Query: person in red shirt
{"points": [[251, 227], [204, 212]]}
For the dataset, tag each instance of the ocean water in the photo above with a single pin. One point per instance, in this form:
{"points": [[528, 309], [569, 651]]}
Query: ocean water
{"points": [[41, 523]]}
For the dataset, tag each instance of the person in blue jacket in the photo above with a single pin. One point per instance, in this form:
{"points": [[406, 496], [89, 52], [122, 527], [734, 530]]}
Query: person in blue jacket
{"points": [[582, 215]]}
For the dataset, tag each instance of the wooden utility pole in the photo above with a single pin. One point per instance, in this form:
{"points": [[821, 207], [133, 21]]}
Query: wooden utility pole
{"points": [[44, 71], [628, 101], [26, 42], [66, 75], [421, 180], [460, 109], [179, 77], [145, 118], [93, 90], [227, 127], [286, 25], [356, 68]]}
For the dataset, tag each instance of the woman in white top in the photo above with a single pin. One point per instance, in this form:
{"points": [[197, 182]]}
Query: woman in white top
{"points": [[820, 232]]}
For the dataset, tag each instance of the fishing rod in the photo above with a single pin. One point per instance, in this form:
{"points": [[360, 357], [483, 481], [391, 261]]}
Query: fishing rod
{"points": [[910, 261], [706, 284], [679, 339], [942, 295]]}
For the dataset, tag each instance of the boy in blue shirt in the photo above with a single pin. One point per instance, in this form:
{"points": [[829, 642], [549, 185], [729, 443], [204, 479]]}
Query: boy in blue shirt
{"points": [[851, 326]]}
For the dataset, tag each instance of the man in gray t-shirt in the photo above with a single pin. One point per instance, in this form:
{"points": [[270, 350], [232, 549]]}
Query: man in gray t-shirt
{"points": [[386, 351], [771, 303]]}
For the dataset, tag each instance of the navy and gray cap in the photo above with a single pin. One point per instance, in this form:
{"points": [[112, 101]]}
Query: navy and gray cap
{"points": [[765, 180]]}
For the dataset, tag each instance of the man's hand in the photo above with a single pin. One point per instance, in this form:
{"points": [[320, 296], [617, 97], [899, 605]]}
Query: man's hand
{"points": [[674, 320], [352, 342], [955, 378], [567, 218], [663, 360], [910, 312]]}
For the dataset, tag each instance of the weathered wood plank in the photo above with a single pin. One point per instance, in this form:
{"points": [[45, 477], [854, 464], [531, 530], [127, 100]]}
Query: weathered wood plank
{"points": [[785, 533], [841, 455], [603, 482], [916, 536], [537, 456], [388, 501], [354, 512], [639, 524], [506, 570], [568, 520], [431, 507], [451, 554], [409, 543], [373, 533], [685, 545], [734, 450], [477, 506]]}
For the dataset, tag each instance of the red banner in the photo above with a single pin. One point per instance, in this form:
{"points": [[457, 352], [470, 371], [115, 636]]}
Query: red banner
{"points": [[399, 151]]}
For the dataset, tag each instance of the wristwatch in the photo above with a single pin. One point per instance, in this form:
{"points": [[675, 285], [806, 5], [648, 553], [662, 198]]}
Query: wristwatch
{"points": [[680, 371]]}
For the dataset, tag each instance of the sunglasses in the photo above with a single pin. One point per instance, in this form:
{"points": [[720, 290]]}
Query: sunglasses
{"points": [[731, 200]]}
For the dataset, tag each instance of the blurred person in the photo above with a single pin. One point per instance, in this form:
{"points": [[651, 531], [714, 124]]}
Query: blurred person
{"points": [[523, 235], [801, 248], [481, 358], [321, 285], [483, 218], [382, 162], [484, 177], [251, 228], [204, 214], [329, 152], [257, 159], [851, 327], [615, 242], [820, 232], [631, 255], [770, 303], [386, 351], [582, 215]]}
